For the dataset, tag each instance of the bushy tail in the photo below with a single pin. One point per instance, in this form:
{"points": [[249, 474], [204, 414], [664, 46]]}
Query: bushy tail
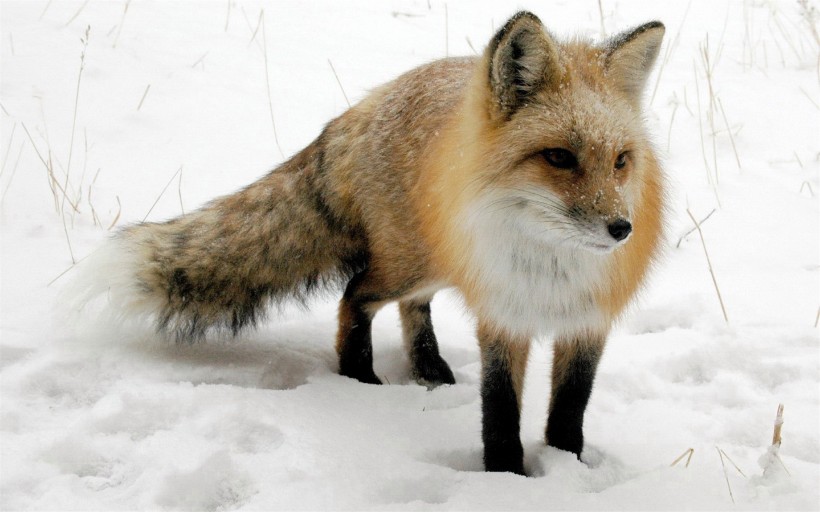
{"points": [[221, 266]]}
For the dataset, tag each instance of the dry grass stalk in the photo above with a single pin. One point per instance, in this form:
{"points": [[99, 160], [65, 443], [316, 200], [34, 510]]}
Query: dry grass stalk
{"points": [[446, 31], [807, 185], [601, 16], [84, 41], [470, 44], [339, 82], [680, 240], [144, 95], [778, 426], [688, 452], [94, 216], [122, 22], [254, 31], [52, 180], [48, 4], [671, 123], [228, 16], [809, 15], [199, 60], [708, 68], [8, 149], [709, 263], [725, 474], [797, 157], [67, 23], [776, 437], [159, 196], [267, 81], [729, 130], [817, 318], [810, 98], [179, 192], [13, 171], [116, 217], [733, 463]]}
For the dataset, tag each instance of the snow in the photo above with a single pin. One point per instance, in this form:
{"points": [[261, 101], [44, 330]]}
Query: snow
{"points": [[94, 416]]}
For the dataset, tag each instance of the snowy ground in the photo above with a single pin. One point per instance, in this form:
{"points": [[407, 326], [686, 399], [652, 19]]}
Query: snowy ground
{"points": [[104, 418]]}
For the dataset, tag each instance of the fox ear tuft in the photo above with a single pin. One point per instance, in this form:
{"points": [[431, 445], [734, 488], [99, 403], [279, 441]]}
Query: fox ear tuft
{"points": [[521, 60], [629, 56]]}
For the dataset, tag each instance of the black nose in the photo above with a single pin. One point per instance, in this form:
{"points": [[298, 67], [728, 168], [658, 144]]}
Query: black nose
{"points": [[620, 229]]}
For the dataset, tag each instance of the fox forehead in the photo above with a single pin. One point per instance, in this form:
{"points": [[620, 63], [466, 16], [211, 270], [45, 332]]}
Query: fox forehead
{"points": [[583, 113]]}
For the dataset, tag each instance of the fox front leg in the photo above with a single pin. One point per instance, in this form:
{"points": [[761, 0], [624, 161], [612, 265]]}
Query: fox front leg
{"points": [[503, 363], [575, 361], [428, 367]]}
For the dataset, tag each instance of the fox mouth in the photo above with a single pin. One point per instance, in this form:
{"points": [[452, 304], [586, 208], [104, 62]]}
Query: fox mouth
{"points": [[599, 247]]}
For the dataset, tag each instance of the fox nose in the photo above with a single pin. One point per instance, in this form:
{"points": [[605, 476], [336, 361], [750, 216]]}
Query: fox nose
{"points": [[620, 229]]}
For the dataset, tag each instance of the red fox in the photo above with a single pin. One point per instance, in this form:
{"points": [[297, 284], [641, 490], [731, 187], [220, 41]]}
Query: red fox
{"points": [[523, 178]]}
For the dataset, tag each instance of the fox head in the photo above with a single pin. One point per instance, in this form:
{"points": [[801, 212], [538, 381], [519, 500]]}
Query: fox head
{"points": [[565, 154]]}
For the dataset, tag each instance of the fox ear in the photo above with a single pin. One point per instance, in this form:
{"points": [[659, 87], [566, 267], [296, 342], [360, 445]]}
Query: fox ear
{"points": [[629, 56], [522, 59]]}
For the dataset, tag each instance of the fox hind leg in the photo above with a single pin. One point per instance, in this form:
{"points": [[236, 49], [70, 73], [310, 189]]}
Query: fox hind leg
{"points": [[353, 342], [428, 367], [575, 362]]}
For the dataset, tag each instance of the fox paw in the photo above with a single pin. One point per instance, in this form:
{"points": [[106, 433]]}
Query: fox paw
{"points": [[432, 372]]}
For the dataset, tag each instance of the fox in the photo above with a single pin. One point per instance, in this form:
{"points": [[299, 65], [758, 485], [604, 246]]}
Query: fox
{"points": [[524, 178]]}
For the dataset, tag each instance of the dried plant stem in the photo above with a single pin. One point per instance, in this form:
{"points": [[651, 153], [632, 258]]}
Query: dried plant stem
{"points": [[733, 462], [671, 123], [809, 98], [122, 22], [254, 31], [48, 4], [94, 216], [52, 180], [199, 60], [680, 240], [8, 149], [817, 318], [725, 473], [339, 82], [161, 193], [688, 452], [470, 44], [68, 240], [69, 269], [117, 216], [776, 439], [267, 81], [709, 263], [228, 16], [179, 192], [601, 16], [144, 95], [729, 130], [778, 425], [446, 31], [13, 172], [84, 40], [75, 14]]}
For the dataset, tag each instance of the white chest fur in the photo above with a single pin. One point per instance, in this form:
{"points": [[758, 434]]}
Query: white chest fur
{"points": [[529, 286]]}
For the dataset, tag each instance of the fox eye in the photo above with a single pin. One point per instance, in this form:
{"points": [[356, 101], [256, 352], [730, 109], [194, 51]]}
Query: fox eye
{"points": [[620, 162], [560, 158]]}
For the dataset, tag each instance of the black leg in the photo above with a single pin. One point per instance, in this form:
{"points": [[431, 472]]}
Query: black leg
{"points": [[503, 365], [428, 367], [573, 372], [353, 342]]}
